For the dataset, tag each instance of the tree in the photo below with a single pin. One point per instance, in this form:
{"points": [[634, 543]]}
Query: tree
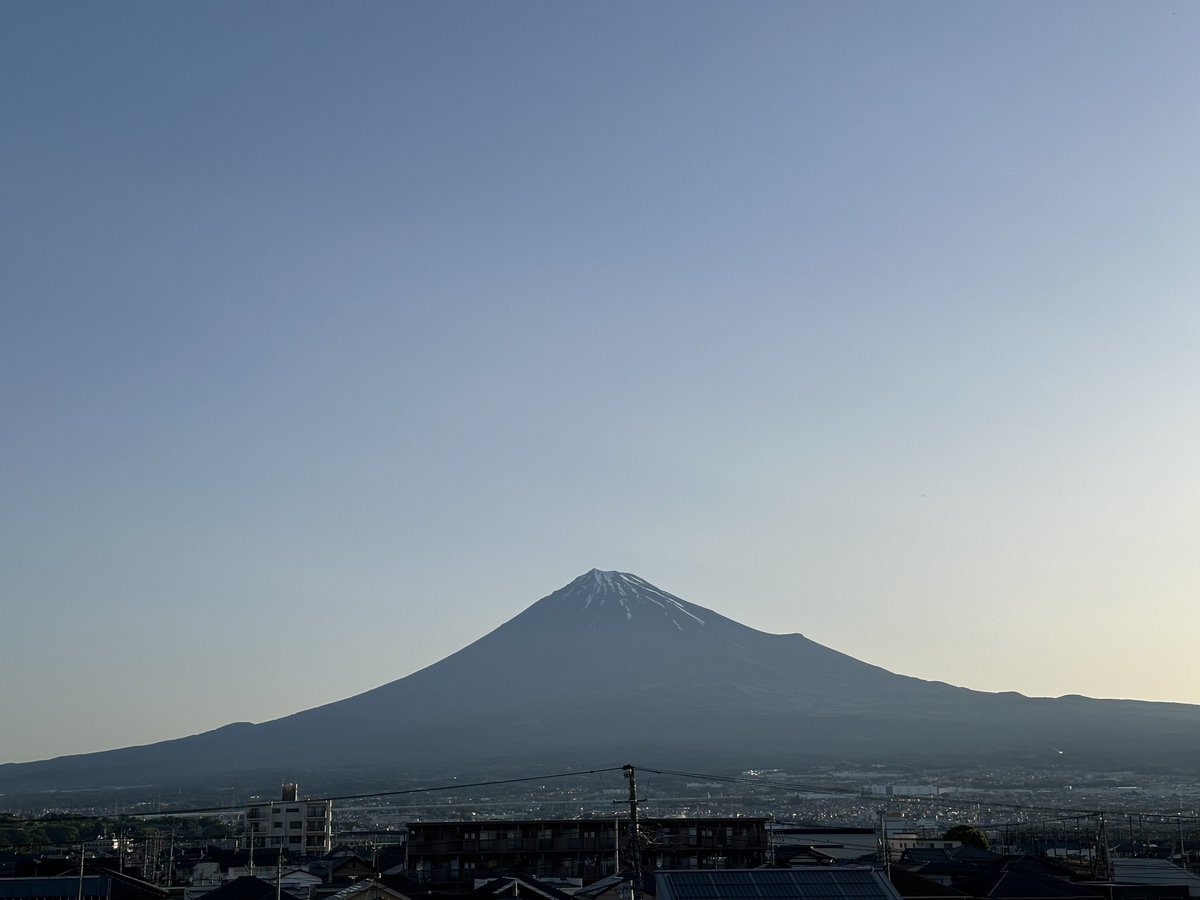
{"points": [[968, 836], [60, 833], [216, 829]]}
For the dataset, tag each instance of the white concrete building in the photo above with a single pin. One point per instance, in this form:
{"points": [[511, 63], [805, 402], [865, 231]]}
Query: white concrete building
{"points": [[302, 827]]}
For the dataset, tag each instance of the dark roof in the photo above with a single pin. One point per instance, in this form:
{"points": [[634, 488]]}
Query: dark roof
{"points": [[816, 883], [911, 885], [56, 886], [966, 851], [822, 832], [97, 881], [401, 883], [953, 864], [955, 856], [803, 856], [855, 845], [366, 886], [607, 883], [517, 886], [247, 887], [1151, 871], [1018, 879]]}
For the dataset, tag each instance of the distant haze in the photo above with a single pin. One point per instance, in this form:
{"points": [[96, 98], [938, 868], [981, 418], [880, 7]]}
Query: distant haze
{"points": [[333, 334], [612, 667]]}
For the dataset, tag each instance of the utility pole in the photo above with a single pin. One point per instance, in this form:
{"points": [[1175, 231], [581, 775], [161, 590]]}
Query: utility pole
{"points": [[1103, 862], [1182, 852], [635, 844], [616, 845], [885, 849]]}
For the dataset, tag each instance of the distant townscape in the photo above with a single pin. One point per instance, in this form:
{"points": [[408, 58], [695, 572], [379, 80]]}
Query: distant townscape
{"points": [[884, 842]]}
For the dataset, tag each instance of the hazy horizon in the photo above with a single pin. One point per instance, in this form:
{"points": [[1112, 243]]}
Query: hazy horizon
{"points": [[335, 336]]}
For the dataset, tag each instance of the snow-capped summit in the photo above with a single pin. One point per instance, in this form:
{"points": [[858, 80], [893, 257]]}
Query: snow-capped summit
{"points": [[611, 668], [605, 595]]}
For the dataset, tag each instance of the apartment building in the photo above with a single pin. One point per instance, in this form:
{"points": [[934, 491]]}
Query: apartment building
{"points": [[578, 850], [301, 827]]}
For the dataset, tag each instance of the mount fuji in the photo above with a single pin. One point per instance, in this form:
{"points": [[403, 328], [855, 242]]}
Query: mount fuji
{"points": [[611, 668]]}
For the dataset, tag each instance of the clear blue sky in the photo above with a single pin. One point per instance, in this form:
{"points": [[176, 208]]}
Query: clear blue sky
{"points": [[336, 334]]}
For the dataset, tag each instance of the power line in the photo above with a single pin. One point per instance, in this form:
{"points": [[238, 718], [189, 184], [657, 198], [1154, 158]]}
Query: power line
{"points": [[1063, 813], [396, 793]]}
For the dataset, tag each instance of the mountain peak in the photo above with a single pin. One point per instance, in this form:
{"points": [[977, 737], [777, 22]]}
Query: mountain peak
{"points": [[611, 667], [611, 596]]}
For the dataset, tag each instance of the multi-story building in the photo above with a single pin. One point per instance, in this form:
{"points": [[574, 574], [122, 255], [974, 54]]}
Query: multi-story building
{"points": [[581, 850], [302, 827]]}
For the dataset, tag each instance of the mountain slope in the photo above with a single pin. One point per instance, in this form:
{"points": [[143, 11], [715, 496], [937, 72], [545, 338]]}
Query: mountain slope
{"points": [[611, 668]]}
